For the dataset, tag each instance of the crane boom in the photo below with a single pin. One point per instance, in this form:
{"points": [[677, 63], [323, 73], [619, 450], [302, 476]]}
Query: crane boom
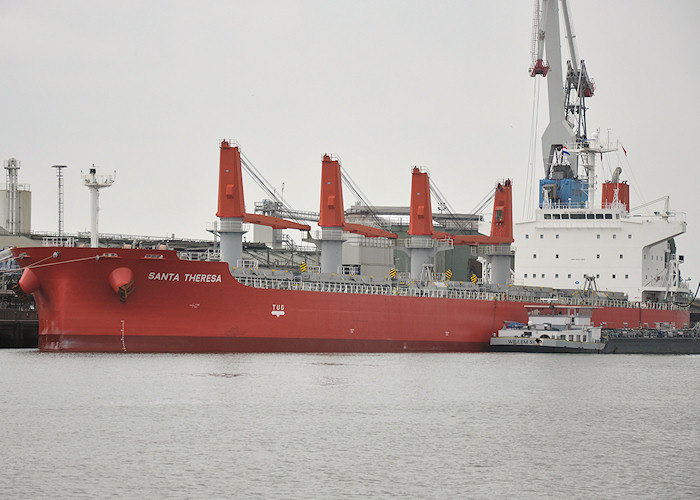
{"points": [[286, 209], [559, 131], [571, 38], [539, 65], [566, 131]]}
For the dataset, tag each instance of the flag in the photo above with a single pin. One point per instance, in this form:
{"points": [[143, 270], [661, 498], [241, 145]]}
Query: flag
{"points": [[623, 149], [565, 151]]}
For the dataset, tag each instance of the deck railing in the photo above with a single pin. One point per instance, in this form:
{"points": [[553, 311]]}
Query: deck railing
{"points": [[342, 286]]}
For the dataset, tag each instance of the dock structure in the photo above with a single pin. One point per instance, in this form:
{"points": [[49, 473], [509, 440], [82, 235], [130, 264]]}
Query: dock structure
{"points": [[19, 328]]}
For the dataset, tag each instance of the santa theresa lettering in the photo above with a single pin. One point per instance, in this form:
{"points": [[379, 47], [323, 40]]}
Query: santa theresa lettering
{"points": [[203, 278], [164, 276], [190, 278]]}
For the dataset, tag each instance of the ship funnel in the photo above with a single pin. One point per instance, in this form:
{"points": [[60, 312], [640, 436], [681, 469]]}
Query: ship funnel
{"points": [[616, 194]]}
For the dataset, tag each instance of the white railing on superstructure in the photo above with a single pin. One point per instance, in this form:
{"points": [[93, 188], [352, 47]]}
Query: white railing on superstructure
{"points": [[421, 242], [246, 264], [58, 241], [577, 205], [501, 249], [211, 254]]}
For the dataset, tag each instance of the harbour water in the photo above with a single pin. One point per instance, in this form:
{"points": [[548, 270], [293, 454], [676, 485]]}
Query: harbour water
{"points": [[492, 425]]}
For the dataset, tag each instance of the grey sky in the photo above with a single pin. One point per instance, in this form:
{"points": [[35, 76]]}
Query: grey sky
{"points": [[149, 89]]}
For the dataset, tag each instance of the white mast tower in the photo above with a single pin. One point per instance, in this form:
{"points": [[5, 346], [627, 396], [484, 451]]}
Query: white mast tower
{"points": [[94, 183]]}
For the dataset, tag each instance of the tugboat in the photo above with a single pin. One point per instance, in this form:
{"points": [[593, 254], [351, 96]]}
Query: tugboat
{"points": [[551, 328]]}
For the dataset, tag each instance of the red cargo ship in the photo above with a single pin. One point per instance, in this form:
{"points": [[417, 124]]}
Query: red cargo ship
{"points": [[188, 306], [97, 299], [170, 305], [135, 300]]}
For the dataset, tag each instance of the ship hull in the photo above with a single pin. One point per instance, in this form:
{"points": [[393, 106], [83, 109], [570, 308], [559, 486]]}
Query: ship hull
{"points": [[213, 344], [171, 305]]}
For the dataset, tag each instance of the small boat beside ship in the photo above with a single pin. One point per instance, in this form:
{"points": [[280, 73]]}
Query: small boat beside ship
{"points": [[551, 328], [558, 328]]}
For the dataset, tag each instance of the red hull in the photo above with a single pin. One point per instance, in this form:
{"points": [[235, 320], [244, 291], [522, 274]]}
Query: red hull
{"points": [[187, 306], [207, 343]]}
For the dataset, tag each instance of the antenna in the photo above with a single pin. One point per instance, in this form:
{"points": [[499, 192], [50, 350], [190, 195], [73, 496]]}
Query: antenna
{"points": [[59, 176]]}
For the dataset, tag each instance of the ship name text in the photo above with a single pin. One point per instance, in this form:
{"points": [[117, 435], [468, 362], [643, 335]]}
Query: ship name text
{"points": [[187, 277]]}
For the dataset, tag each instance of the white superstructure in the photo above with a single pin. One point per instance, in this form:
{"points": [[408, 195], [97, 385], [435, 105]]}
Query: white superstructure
{"points": [[634, 254], [576, 240]]}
